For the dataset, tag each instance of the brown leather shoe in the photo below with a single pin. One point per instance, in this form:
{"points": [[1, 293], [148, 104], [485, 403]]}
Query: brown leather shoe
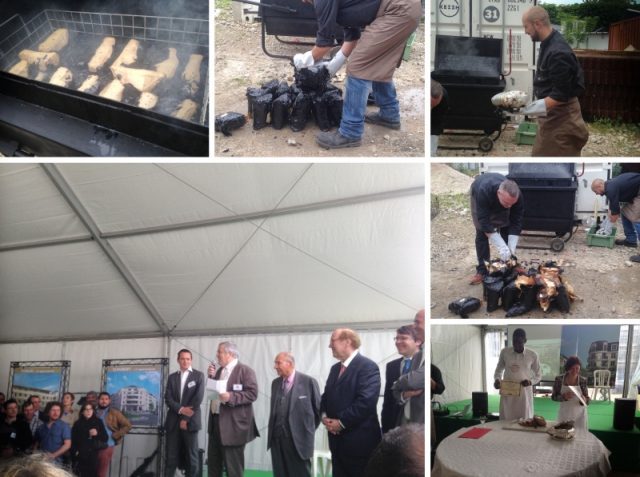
{"points": [[476, 279]]}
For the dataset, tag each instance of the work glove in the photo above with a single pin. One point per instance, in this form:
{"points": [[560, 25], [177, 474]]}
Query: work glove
{"points": [[605, 227], [512, 241], [303, 60], [336, 63], [536, 108], [498, 242]]}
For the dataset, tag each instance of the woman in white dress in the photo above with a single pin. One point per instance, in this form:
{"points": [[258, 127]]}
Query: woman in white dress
{"points": [[571, 408]]}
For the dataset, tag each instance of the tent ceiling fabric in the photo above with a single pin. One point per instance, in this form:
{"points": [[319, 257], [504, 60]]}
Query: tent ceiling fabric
{"points": [[32, 209], [329, 259]]}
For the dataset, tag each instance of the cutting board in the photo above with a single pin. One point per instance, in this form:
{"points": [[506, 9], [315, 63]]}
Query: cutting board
{"points": [[514, 426]]}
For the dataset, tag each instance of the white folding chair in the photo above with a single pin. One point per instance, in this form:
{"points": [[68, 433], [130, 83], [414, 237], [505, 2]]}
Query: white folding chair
{"points": [[321, 460], [601, 384]]}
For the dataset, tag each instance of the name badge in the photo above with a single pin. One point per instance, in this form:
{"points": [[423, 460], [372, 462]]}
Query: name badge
{"points": [[237, 387], [191, 384], [12, 435]]}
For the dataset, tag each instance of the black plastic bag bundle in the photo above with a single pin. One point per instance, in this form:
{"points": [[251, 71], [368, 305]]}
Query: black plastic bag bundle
{"points": [[334, 102], [227, 122], [253, 94], [300, 112], [320, 112], [282, 88], [271, 86], [529, 296], [261, 109], [464, 306], [562, 300], [510, 295], [314, 78], [492, 291], [280, 111]]}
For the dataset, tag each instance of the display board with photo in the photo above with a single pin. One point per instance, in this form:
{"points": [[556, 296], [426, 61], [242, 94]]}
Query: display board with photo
{"points": [[136, 387], [46, 379]]}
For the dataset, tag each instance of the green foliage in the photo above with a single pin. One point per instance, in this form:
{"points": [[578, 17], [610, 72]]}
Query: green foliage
{"points": [[223, 4], [574, 29], [604, 12], [615, 126]]}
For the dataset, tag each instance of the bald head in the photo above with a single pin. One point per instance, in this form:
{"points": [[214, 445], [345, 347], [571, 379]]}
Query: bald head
{"points": [[597, 186], [536, 23], [536, 14]]}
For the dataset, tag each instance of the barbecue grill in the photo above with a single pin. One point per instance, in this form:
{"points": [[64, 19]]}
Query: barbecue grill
{"points": [[549, 193], [288, 18], [38, 118], [470, 69]]}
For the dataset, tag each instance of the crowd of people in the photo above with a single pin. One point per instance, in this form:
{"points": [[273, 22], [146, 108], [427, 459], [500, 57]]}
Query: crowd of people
{"points": [[81, 439], [362, 444]]}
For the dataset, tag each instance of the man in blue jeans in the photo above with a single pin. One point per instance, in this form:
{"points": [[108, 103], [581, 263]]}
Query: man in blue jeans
{"points": [[373, 57], [623, 188]]}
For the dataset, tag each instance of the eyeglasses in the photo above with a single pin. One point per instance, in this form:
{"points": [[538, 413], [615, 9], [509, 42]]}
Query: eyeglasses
{"points": [[401, 338]]}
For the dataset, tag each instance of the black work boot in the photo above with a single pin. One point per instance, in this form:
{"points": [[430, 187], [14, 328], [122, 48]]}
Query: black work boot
{"points": [[335, 140]]}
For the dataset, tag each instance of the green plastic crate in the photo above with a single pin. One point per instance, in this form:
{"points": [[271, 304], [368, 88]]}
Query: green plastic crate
{"points": [[526, 133], [594, 240], [407, 47]]}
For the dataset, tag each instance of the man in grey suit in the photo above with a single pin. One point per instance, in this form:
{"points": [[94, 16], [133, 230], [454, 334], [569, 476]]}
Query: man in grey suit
{"points": [[408, 390], [294, 416], [185, 390], [231, 421]]}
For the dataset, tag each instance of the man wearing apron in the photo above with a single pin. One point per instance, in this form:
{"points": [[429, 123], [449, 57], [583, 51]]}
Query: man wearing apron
{"points": [[497, 209], [623, 188], [571, 409], [558, 81], [373, 56], [521, 365]]}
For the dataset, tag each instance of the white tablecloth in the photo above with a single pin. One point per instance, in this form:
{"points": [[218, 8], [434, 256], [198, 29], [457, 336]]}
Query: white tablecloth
{"points": [[519, 453]]}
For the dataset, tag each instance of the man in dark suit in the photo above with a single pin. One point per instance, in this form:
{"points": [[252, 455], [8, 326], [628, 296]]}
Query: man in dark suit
{"points": [[407, 344], [231, 420], [348, 405], [185, 390], [408, 390], [294, 417]]}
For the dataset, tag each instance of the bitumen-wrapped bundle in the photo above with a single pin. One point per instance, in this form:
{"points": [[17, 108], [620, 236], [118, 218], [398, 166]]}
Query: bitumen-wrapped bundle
{"points": [[261, 110], [227, 122], [280, 111], [300, 112]]}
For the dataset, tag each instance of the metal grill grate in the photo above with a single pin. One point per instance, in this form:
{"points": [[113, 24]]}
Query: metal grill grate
{"points": [[16, 35]]}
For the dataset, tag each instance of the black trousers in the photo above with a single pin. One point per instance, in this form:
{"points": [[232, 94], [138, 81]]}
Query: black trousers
{"points": [[187, 441], [286, 461], [230, 458], [482, 248]]}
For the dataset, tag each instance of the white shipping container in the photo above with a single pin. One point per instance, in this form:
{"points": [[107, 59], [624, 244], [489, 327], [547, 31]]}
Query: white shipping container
{"points": [[490, 19]]}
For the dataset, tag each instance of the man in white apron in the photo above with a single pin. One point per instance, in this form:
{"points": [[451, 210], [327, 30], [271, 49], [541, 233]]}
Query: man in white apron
{"points": [[520, 365]]}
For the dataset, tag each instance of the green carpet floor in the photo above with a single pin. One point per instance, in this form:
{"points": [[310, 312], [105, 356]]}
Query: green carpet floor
{"points": [[600, 412]]}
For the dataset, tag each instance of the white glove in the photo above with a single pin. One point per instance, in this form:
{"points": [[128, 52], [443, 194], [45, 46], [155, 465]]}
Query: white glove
{"points": [[336, 63], [513, 243], [497, 241], [537, 108], [605, 227], [303, 60]]}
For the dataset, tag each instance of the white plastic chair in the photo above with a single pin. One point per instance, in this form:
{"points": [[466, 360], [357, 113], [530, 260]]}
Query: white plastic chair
{"points": [[322, 460], [601, 384]]}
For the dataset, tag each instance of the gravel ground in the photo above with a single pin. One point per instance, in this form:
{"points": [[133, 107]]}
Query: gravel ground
{"points": [[240, 62], [604, 279], [624, 142]]}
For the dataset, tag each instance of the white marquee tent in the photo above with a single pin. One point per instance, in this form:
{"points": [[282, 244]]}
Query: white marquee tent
{"points": [[124, 261]]}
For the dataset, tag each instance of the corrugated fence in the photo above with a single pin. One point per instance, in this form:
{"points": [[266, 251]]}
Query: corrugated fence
{"points": [[612, 80]]}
